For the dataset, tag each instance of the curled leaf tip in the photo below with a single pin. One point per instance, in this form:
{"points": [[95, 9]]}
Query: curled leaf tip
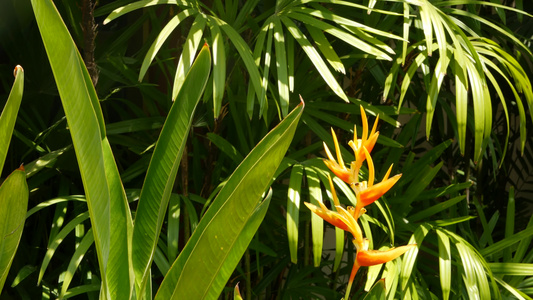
{"points": [[302, 102], [21, 168], [18, 69]]}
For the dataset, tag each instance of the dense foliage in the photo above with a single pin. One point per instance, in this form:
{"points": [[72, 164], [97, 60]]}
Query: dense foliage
{"points": [[159, 140]]}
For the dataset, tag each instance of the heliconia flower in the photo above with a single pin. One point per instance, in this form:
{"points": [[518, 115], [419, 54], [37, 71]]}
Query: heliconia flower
{"points": [[368, 192], [366, 141], [342, 218], [337, 166]]}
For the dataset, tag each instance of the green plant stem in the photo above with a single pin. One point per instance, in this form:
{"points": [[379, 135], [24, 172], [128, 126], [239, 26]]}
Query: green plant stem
{"points": [[352, 277]]}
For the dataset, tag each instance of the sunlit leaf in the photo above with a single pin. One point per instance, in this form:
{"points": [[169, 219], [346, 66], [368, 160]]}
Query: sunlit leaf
{"points": [[14, 195], [9, 114], [215, 248], [164, 167]]}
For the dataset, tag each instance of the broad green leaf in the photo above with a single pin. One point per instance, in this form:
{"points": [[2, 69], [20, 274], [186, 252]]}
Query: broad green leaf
{"points": [[13, 205], [109, 213], [164, 167], [120, 270], [293, 210], [215, 248], [9, 114]]}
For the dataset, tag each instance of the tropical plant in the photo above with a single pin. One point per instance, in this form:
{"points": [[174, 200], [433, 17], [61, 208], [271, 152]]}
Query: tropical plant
{"points": [[465, 64]]}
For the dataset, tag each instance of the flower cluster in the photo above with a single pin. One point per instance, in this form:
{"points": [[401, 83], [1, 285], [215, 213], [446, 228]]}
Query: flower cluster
{"points": [[366, 193]]}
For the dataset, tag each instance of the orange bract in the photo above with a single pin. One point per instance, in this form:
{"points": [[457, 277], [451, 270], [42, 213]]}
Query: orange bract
{"points": [[367, 258], [342, 218], [338, 168]]}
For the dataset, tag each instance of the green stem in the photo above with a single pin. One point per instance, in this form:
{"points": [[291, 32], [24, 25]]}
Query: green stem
{"points": [[352, 276]]}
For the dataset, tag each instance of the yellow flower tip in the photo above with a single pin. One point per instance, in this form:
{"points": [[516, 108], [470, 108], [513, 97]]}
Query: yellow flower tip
{"points": [[367, 258], [372, 193], [362, 211], [371, 141], [333, 192], [370, 163], [337, 148], [375, 126], [339, 171]]}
